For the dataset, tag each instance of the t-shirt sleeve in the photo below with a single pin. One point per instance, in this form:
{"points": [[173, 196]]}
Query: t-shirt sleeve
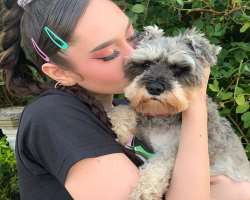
{"points": [[65, 131]]}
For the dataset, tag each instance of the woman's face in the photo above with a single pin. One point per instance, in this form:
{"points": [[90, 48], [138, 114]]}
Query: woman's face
{"points": [[103, 39]]}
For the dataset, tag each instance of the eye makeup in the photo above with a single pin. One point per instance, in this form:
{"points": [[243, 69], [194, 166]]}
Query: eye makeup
{"points": [[115, 54], [111, 53]]}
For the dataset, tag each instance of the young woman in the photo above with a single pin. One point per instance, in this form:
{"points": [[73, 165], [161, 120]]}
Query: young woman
{"points": [[65, 148]]}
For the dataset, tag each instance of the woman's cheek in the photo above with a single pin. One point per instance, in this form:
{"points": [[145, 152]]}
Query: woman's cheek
{"points": [[111, 71]]}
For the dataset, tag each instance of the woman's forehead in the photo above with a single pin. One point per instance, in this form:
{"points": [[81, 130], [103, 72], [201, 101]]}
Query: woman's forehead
{"points": [[102, 21]]}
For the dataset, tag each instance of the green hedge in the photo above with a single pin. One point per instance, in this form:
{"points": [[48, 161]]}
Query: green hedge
{"points": [[8, 172], [226, 23]]}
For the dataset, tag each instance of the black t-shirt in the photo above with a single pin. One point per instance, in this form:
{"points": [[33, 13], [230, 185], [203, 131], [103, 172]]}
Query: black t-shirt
{"points": [[56, 130]]}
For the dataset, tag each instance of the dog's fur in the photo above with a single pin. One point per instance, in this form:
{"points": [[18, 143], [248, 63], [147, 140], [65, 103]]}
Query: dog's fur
{"points": [[163, 73]]}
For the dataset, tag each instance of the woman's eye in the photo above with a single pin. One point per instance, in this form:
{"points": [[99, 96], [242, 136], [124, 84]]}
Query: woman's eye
{"points": [[111, 57]]}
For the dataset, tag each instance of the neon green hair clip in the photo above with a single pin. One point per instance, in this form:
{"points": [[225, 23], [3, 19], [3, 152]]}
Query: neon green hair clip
{"points": [[56, 39]]}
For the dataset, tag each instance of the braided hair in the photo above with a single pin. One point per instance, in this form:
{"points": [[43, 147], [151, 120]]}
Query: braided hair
{"points": [[18, 77]]}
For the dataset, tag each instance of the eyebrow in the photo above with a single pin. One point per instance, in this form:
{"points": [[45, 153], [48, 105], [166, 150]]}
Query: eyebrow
{"points": [[109, 42]]}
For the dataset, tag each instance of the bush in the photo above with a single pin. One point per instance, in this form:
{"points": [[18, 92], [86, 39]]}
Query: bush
{"points": [[225, 23], [8, 172]]}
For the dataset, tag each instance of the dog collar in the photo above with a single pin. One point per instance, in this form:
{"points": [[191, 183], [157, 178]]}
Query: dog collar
{"points": [[140, 149]]}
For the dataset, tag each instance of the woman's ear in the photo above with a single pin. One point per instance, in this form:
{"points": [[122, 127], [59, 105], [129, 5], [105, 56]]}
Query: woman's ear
{"points": [[57, 73]]}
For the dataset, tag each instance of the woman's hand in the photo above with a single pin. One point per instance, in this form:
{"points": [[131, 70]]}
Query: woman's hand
{"points": [[198, 101], [224, 188], [192, 161], [201, 92]]}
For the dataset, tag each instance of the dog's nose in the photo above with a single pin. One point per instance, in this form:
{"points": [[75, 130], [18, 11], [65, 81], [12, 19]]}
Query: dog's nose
{"points": [[155, 88]]}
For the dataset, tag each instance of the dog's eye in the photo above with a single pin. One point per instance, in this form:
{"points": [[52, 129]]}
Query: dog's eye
{"points": [[147, 64], [180, 70]]}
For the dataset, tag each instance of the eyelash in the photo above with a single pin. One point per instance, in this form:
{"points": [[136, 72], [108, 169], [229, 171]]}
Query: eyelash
{"points": [[117, 53], [111, 57]]}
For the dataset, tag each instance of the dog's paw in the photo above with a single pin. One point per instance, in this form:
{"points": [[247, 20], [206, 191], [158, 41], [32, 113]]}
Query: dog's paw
{"points": [[138, 194], [150, 186], [142, 196], [123, 120]]}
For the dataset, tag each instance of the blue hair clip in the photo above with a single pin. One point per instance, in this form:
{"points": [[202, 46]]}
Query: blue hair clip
{"points": [[56, 39]]}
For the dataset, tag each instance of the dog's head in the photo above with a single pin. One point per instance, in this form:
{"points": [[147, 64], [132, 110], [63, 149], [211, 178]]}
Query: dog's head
{"points": [[163, 71]]}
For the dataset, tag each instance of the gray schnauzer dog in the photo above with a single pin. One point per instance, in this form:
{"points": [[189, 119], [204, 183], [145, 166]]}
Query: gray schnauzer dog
{"points": [[163, 73]]}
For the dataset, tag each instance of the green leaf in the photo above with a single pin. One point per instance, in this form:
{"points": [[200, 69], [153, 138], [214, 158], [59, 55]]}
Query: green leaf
{"points": [[215, 86], [209, 30], [243, 45], [248, 149], [245, 26], [246, 119], [246, 68], [239, 55], [238, 90], [225, 95], [218, 30], [242, 108], [138, 8], [199, 24], [180, 2], [240, 100], [246, 124], [225, 111], [245, 116], [244, 17]]}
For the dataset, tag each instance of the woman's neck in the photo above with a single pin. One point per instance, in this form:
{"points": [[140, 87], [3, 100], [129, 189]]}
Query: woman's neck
{"points": [[105, 99]]}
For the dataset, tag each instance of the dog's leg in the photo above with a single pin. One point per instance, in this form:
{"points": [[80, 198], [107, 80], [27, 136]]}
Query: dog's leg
{"points": [[123, 120], [231, 160], [154, 178], [226, 152]]}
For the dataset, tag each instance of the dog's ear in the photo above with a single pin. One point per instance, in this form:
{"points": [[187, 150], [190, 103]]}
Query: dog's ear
{"points": [[201, 46], [150, 33]]}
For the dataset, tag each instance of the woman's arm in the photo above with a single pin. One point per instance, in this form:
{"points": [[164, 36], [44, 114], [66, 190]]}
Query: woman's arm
{"points": [[190, 180], [191, 173], [223, 188], [109, 177]]}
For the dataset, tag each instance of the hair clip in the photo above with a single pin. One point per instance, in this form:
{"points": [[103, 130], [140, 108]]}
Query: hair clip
{"points": [[23, 3], [56, 39], [39, 51]]}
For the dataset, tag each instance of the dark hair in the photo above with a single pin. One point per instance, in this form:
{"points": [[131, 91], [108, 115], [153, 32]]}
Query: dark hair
{"points": [[19, 60]]}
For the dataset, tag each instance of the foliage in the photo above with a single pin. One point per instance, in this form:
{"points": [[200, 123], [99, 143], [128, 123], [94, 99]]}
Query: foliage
{"points": [[8, 171], [225, 23]]}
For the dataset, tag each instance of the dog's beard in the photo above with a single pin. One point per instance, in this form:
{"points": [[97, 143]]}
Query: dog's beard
{"points": [[169, 102]]}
